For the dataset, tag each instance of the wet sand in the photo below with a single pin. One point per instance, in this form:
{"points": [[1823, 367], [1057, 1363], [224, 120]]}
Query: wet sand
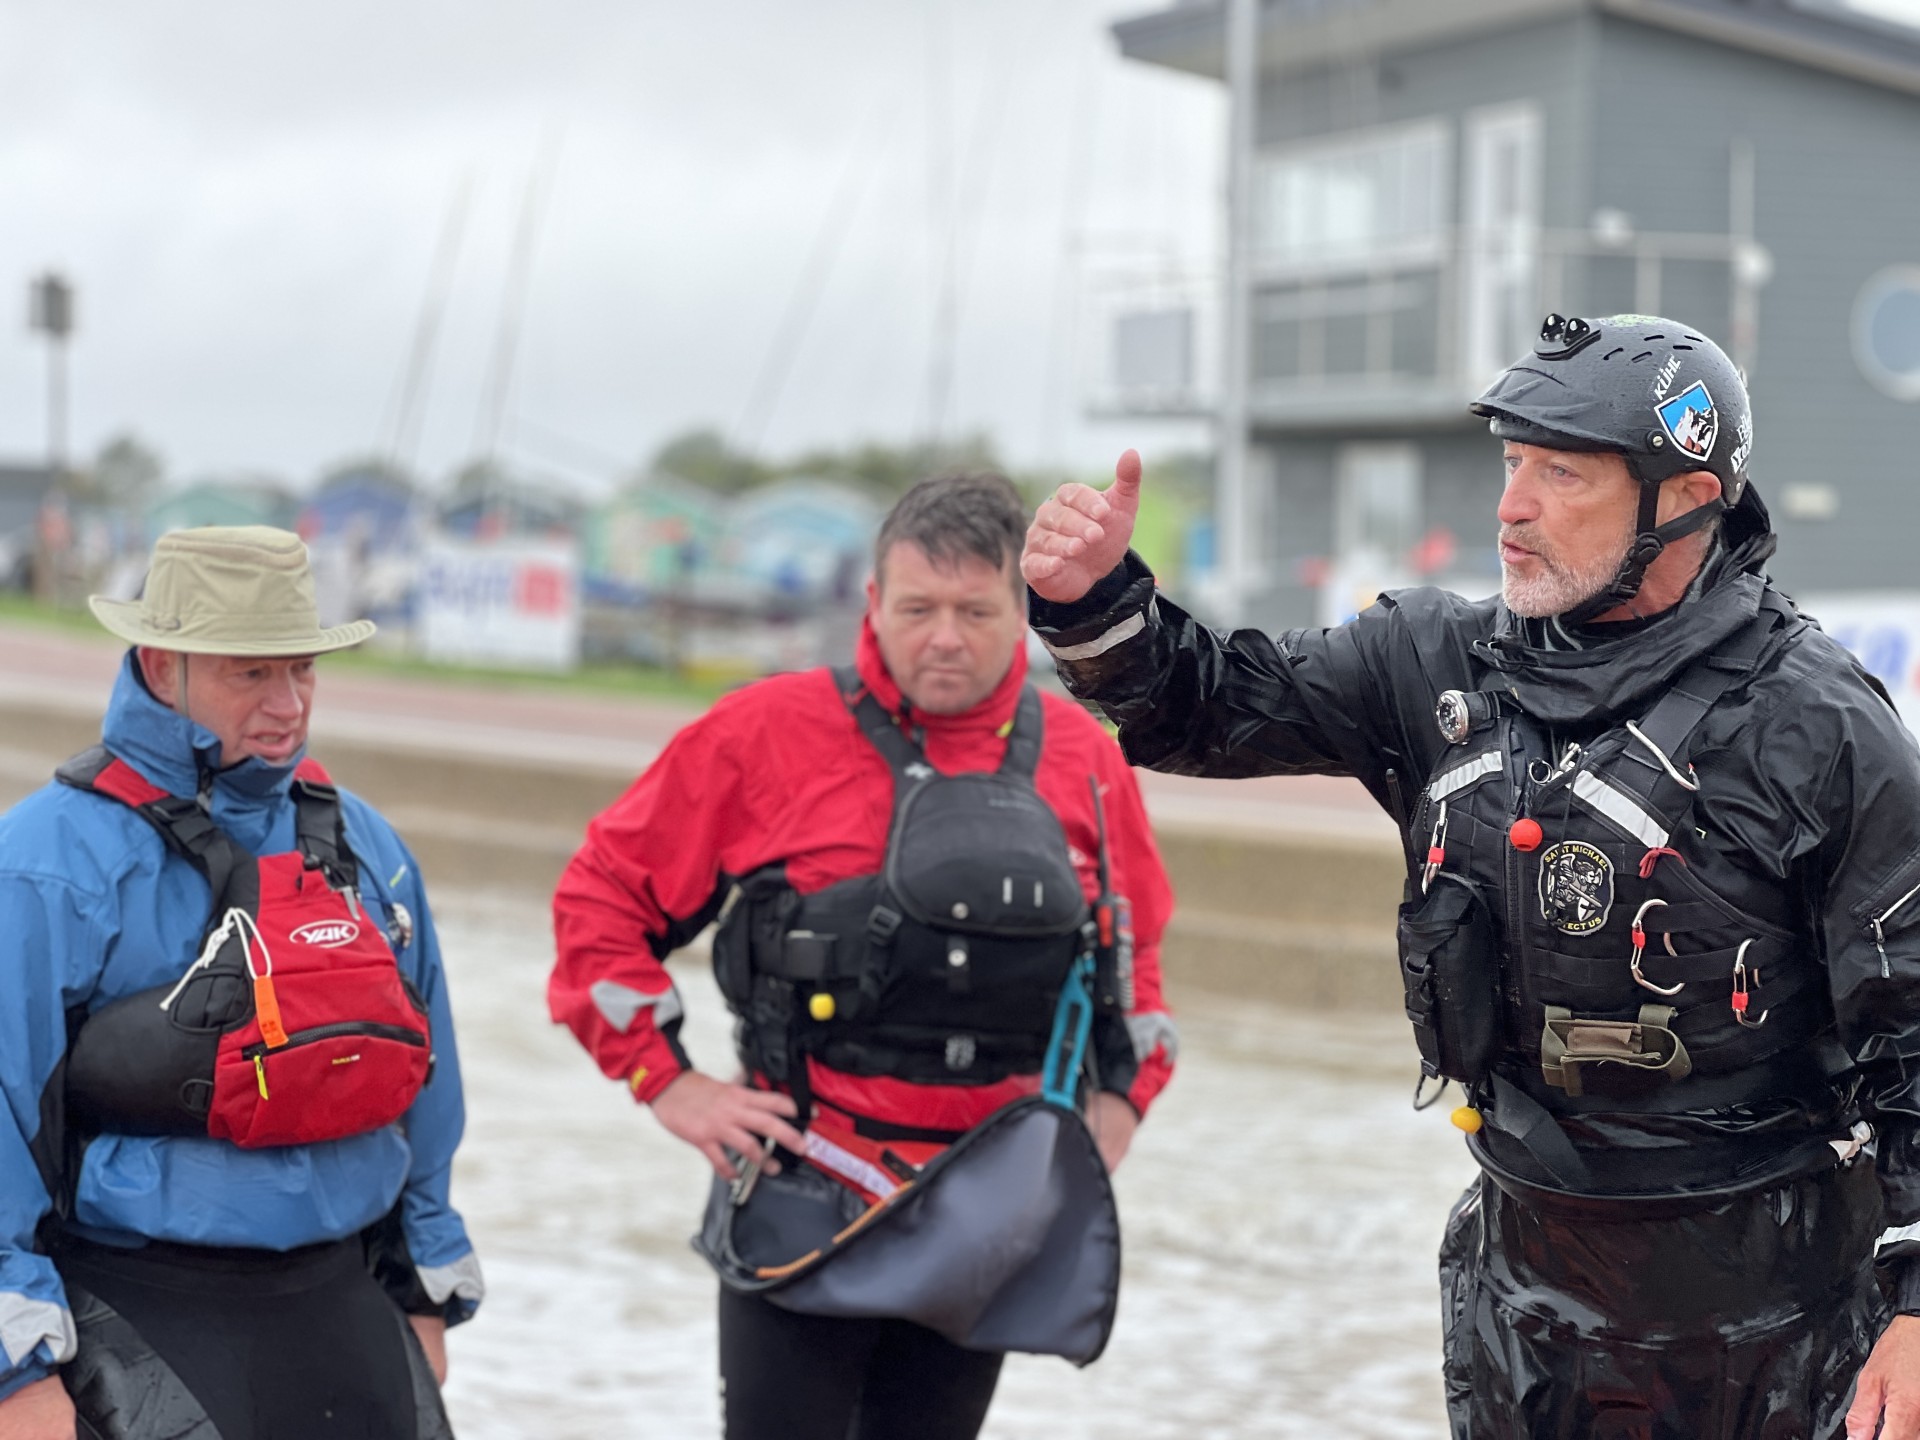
{"points": [[1282, 1207]]}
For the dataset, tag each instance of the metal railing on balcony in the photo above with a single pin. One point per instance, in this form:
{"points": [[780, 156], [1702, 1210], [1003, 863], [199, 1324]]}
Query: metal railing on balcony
{"points": [[1396, 341]]}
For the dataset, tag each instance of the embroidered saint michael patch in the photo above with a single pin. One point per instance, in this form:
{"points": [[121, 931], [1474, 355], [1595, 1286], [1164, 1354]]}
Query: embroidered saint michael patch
{"points": [[1576, 887]]}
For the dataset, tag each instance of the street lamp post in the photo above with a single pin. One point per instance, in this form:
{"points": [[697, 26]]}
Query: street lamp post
{"points": [[50, 312], [1232, 538]]}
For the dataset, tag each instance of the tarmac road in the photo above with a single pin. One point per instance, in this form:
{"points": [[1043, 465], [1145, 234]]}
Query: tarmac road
{"points": [[76, 669]]}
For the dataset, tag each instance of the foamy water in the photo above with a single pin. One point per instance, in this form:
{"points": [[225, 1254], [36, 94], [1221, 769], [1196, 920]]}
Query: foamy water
{"points": [[1282, 1208]]}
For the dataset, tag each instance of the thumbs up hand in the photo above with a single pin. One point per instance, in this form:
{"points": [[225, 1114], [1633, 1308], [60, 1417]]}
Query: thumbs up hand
{"points": [[1081, 533]]}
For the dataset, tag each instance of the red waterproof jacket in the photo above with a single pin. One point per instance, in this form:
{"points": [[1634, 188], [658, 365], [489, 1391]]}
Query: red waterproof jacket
{"points": [[779, 771]]}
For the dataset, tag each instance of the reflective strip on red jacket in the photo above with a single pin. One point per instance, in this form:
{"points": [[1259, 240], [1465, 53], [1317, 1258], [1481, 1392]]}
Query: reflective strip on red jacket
{"points": [[779, 771]]}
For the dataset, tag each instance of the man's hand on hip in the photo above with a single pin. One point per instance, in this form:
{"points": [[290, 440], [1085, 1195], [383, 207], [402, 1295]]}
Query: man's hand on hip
{"points": [[715, 1118], [1081, 534], [1112, 1120], [1888, 1393], [40, 1411], [431, 1331]]}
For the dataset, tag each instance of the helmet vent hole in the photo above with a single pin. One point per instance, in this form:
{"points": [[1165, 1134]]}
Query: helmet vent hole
{"points": [[1643, 355], [1617, 350], [1683, 347]]}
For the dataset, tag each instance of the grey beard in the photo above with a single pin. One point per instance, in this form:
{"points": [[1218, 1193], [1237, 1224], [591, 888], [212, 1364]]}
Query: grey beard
{"points": [[1560, 587]]}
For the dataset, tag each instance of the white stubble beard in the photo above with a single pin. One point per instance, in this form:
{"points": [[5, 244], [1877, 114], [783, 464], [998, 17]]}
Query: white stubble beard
{"points": [[1560, 584]]}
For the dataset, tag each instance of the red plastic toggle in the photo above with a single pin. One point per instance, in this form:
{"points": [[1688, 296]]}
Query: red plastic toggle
{"points": [[1525, 835], [1739, 1002], [1436, 855], [1639, 938]]}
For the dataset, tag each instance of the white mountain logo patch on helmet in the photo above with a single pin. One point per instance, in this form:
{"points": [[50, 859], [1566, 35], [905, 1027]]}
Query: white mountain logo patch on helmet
{"points": [[1692, 419]]}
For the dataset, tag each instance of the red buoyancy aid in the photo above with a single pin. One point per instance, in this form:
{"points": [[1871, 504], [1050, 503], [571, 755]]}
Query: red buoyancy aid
{"points": [[293, 1026]]}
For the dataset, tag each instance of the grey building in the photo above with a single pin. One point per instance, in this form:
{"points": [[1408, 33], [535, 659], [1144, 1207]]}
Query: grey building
{"points": [[1424, 179]]}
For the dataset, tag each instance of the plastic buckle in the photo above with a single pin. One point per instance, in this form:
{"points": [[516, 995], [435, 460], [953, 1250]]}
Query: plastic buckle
{"points": [[883, 924]]}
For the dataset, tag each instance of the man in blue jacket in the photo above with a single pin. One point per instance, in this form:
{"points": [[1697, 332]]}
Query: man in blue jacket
{"points": [[230, 1091]]}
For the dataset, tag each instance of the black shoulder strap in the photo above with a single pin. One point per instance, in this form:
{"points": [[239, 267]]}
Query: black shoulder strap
{"points": [[1670, 724], [1022, 756], [184, 825], [320, 831], [900, 753], [1023, 741]]}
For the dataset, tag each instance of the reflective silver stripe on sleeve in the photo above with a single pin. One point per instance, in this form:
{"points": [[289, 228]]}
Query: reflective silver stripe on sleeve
{"points": [[1100, 644], [27, 1324], [1896, 1235], [1623, 810], [618, 1004], [1154, 1030], [1461, 776], [462, 1278]]}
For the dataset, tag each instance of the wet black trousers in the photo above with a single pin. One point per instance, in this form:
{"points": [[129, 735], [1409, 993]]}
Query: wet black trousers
{"points": [[182, 1343], [1745, 1322], [814, 1377]]}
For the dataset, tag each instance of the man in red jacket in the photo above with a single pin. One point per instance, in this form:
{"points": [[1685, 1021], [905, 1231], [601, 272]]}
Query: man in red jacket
{"points": [[777, 800]]}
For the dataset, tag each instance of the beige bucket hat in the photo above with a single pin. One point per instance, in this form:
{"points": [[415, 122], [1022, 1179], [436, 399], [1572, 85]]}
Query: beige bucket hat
{"points": [[228, 590]]}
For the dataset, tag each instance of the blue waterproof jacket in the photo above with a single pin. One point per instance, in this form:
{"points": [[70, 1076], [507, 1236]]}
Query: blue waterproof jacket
{"points": [[94, 907]]}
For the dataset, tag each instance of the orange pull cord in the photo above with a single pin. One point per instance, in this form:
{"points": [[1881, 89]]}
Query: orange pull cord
{"points": [[266, 1005]]}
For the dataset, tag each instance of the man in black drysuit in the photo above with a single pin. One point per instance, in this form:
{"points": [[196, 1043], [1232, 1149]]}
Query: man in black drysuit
{"points": [[1662, 918]]}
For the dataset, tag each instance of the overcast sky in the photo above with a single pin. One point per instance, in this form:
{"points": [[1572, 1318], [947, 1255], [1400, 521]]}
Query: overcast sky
{"points": [[248, 198]]}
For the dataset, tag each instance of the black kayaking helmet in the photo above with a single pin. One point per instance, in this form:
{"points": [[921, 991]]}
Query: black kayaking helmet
{"points": [[1664, 397]]}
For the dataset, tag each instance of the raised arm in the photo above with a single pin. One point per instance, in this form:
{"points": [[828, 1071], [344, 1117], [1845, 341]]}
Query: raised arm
{"points": [[1353, 700]]}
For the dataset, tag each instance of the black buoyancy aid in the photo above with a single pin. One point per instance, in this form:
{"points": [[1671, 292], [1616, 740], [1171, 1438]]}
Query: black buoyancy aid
{"points": [[1567, 946], [947, 966], [293, 1026]]}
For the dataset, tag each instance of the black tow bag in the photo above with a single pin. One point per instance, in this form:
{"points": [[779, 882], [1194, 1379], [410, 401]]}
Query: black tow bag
{"points": [[1450, 966], [1007, 1240]]}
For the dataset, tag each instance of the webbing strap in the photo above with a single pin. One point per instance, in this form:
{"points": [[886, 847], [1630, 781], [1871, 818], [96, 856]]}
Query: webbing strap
{"points": [[1670, 724], [183, 824], [231, 871], [1023, 741], [900, 753], [319, 826], [1024, 738], [1517, 1114]]}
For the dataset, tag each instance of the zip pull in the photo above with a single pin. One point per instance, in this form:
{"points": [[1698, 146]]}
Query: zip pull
{"points": [[1879, 934], [260, 1074]]}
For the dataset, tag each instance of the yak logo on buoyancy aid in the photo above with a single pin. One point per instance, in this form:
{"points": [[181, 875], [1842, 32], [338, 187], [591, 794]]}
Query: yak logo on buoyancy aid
{"points": [[1576, 887], [329, 934]]}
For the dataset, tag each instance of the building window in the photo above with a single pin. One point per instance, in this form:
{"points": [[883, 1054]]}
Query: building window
{"points": [[1500, 239], [1353, 201], [1886, 331], [1377, 518], [1153, 351]]}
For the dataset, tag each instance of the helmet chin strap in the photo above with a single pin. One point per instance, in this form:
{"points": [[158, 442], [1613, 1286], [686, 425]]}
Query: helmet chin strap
{"points": [[1648, 541]]}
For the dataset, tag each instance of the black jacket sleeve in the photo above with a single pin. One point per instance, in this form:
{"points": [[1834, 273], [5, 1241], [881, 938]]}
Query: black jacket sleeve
{"points": [[1848, 770], [1353, 700]]}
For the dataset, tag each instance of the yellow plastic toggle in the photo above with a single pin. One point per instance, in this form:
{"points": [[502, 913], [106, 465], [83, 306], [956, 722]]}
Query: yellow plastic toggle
{"points": [[821, 1007], [260, 1073], [1468, 1119]]}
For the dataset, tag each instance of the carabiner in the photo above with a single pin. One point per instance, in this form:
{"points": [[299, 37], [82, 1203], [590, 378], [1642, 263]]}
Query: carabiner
{"points": [[1740, 993], [1436, 850], [1640, 949]]}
